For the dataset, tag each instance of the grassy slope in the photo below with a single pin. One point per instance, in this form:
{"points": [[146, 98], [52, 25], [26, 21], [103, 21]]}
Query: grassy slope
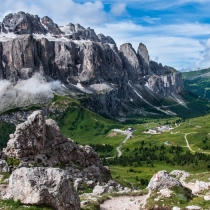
{"points": [[84, 126], [191, 74], [197, 85]]}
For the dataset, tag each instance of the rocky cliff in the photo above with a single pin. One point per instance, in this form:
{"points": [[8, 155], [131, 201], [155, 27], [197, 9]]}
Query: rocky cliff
{"points": [[115, 82]]}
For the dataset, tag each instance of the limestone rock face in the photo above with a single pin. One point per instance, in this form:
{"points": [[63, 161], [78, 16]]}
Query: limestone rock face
{"points": [[143, 52], [144, 58], [48, 186], [4, 166], [85, 64], [163, 180], [38, 142], [165, 84], [131, 62]]}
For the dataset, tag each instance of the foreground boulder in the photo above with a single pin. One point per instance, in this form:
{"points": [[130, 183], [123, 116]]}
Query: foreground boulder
{"points": [[163, 180], [38, 142], [48, 186], [164, 188]]}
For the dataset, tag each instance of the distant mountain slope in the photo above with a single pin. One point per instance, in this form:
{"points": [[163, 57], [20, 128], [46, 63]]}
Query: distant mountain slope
{"points": [[198, 82], [195, 74]]}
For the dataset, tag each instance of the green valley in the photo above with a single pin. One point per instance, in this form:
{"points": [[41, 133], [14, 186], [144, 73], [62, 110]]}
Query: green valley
{"points": [[144, 153]]}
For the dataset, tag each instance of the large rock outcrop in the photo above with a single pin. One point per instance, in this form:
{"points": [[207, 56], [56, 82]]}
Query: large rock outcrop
{"points": [[38, 142], [163, 180], [115, 82], [48, 186]]}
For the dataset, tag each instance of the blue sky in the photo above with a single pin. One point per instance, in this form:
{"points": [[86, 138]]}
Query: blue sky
{"points": [[176, 33]]}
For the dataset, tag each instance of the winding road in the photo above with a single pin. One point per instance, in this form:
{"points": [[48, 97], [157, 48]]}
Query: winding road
{"points": [[128, 135], [188, 142]]}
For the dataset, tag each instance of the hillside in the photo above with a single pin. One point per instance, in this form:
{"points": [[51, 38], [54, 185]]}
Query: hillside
{"points": [[198, 82]]}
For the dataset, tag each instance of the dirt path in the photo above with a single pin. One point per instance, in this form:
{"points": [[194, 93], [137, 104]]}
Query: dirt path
{"points": [[128, 135], [124, 203], [185, 136]]}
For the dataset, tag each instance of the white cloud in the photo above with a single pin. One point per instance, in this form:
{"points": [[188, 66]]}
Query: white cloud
{"points": [[175, 45], [204, 59], [156, 4], [36, 85], [151, 20], [62, 12], [118, 9]]}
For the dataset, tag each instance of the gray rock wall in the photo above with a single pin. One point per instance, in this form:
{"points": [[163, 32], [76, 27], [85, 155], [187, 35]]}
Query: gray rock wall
{"points": [[79, 59]]}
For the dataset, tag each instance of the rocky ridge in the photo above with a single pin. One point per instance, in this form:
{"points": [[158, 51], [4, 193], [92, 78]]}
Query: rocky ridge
{"points": [[117, 83]]}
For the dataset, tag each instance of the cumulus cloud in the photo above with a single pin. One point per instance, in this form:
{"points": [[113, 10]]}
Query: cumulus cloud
{"points": [[62, 12], [176, 45], [204, 59], [118, 9]]}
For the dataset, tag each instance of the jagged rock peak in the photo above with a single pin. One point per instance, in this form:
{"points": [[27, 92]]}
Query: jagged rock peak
{"points": [[22, 23], [78, 32], [131, 62], [143, 52], [50, 26], [106, 39]]}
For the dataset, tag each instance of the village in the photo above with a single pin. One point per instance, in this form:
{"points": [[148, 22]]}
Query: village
{"points": [[159, 129]]}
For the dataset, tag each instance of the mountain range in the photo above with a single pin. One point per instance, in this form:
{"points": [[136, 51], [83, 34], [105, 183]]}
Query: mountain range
{"points": [[38, 59]]}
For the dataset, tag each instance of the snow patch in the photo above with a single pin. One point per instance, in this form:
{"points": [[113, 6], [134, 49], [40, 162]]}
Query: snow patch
{"points": [[4, 64], [80, 87], [44, 25], [103, 87], [6, 37]]}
